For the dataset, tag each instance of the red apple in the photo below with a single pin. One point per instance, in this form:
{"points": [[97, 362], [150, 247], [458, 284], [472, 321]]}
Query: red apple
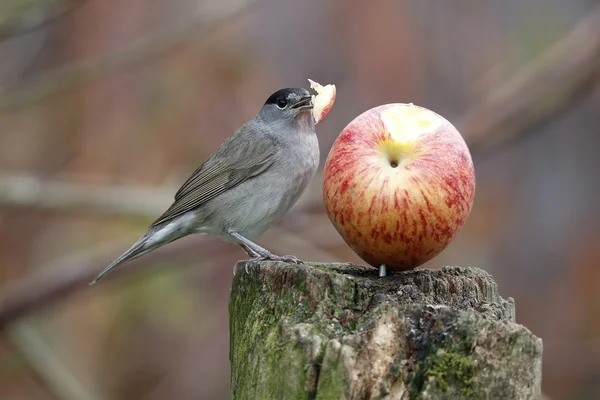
{"points": [[323, 101], [398, 185]]}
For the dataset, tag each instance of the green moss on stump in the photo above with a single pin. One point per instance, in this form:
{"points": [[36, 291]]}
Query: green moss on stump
{"points": [[456, 368], [337, 331]]}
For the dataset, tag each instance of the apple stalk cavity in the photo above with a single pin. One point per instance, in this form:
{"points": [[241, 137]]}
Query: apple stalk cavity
{"points": [[398, 185]]}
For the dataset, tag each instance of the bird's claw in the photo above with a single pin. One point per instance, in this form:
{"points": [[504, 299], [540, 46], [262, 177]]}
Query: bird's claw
{"points": [[236, 266], [266, 257], [292, 259], [273, 257]]}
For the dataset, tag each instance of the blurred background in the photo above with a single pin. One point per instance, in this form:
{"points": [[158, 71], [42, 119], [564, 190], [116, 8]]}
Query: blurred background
{"points": [[107, 106]]}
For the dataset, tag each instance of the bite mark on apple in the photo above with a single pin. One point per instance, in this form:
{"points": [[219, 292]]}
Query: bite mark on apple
{"points": [[406, 122]]}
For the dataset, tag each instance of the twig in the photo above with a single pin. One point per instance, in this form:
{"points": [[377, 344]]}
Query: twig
{"points": [[208, 18], [22, 190], [51, 282], [66, 276], [47, 364], [11, 32], [539, 90]]}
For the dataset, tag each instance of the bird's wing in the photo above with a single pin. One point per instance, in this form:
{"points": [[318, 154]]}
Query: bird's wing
{"points": [[238, 159]]}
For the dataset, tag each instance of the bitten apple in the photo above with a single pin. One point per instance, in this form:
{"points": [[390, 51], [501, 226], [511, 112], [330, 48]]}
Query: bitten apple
{"points": [[323, 101], [398, 185]]}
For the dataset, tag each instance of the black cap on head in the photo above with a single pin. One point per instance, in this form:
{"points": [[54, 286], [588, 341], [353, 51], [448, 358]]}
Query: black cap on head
{"points": [[283, 94]]}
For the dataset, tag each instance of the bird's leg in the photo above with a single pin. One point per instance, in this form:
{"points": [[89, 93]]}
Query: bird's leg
{"points": [[261, 252], [253, 255], [248, 244], [248, 250]]}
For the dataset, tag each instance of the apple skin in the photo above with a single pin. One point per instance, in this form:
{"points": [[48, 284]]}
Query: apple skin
{"points": [[398, 185]]}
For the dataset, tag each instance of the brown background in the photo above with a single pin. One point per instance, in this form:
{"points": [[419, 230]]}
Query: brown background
{"points": [[112, 96]]}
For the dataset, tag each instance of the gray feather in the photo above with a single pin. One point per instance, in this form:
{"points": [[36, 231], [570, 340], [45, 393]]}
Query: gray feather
{"points": [[248, 184], [138, 249], [244, 155]]}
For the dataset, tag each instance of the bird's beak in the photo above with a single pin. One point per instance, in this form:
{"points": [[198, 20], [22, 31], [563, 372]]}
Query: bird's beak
{"points": [[304, 104]]}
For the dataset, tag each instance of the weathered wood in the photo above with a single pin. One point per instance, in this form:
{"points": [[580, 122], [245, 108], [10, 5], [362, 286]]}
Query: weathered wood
{"points": [[337, 331]]}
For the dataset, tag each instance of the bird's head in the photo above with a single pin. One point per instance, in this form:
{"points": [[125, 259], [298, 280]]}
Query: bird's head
{"points": [[291, 104]]}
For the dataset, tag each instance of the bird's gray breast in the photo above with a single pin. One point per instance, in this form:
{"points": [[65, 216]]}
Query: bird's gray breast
{"points": [[258, 203]]}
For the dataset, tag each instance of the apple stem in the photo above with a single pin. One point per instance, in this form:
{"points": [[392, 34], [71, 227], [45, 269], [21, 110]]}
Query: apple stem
{"points": [[382, 271]]}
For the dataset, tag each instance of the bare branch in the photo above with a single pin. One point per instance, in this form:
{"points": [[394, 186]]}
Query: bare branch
{"points": [[49, 366], [64, 277], [22, 190], [28, 191], [539, 90], [7, 32], [209, 17]]}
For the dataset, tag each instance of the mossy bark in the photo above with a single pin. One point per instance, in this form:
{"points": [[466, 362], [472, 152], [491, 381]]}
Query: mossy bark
{"points": [[337, 331]]}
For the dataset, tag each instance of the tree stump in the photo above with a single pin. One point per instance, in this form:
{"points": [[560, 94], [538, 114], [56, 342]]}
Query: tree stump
{"points": [[338, 331]]}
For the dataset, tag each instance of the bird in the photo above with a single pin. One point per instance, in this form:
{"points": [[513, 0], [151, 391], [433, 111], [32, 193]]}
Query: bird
{"points": [[246, 185]]}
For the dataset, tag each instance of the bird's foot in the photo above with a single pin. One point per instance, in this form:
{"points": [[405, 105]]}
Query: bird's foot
{"points": [[265, 257], [292, 259]]}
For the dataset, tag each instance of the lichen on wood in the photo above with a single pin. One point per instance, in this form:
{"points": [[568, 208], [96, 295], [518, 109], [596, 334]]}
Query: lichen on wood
{"points": [[337, 331]]}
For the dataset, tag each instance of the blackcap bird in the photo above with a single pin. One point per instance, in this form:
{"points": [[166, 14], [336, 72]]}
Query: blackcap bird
{"points": [[247, 185]]}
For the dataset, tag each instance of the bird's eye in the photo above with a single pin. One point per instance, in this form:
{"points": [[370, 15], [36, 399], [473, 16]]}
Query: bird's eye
{"points": [[282, 103]]}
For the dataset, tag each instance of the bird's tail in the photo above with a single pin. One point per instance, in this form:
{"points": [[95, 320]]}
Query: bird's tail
{"points": [[139, 248]]}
